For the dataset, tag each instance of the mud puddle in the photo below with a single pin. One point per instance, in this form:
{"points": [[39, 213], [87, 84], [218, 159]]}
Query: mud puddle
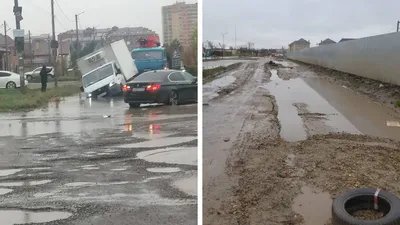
{"points": [[313, 206], [164, 170], [210, 90], [11, 217], [186, 156], [162, 142], [288, 93]]}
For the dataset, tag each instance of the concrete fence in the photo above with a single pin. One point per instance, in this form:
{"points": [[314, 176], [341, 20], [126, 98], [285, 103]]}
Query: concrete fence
{"points": [[375, 57]]}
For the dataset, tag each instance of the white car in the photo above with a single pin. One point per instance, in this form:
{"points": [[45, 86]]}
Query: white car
{"points": [[10, 80], [36, 73]]}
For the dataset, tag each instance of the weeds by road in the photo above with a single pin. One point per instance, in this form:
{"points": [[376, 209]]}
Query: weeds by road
{"points": [[211, 74], [14, 100]]}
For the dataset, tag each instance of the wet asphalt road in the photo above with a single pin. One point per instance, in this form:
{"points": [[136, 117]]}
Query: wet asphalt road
{"points": [[99, 162]]}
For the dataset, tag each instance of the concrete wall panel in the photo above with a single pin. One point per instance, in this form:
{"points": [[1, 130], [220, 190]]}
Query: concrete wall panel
{"points": [[376, 57]]}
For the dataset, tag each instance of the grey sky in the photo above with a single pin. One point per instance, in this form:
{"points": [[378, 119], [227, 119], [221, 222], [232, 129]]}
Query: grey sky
{"points": [[273, 24], [102, 13]]}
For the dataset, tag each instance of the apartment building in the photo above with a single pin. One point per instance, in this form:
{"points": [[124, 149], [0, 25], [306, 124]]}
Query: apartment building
{"points": [[179, 21]]}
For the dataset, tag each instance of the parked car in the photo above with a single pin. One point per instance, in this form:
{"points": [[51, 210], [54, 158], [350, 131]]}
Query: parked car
{"points": [[36, 73], [171, 87], [10, 80]]}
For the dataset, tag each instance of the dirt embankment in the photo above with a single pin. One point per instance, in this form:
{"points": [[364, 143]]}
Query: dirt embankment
{"points": [[385, 93]]}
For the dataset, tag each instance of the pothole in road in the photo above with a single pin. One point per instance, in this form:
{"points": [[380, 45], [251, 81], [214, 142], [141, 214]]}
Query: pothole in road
{"points": [[25, 183], [314, 206], [186, 156], [164, 170], [11, 217], [4, 191], [162, 142], [8, 172]]}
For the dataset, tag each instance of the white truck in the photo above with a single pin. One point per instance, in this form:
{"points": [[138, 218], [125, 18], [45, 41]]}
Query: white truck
{"points": [[107, 69]]}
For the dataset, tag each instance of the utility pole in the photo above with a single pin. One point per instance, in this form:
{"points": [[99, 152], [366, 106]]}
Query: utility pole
{"points": [[223, 43], [54, 44], [19, 42], [398, 26], [235, 37], [6, 43], [77, 50], [30, 47]]}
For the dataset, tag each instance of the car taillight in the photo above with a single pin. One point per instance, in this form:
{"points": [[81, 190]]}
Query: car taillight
{"points": [[126, 88], [153, 87]]}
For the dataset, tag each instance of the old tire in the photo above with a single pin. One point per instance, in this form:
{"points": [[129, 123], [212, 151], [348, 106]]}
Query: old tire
{"points": [[173, 98], [11, 85], [363, 199], [134, 105]]}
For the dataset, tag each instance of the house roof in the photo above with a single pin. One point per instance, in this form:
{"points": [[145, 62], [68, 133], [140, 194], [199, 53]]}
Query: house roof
{"points": [[347, 39], [10, 41], [300, 41], [327, 41]]}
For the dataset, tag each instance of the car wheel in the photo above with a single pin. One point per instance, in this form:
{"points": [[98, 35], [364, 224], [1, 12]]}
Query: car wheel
{"points": [[366, 199], [173, 98], [134, 105], [11, 85]]}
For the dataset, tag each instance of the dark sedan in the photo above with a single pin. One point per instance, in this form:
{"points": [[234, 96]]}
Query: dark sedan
{"points": [[171, 87]]}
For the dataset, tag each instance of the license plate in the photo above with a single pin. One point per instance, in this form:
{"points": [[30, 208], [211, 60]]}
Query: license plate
{"points": [[138, 89]]}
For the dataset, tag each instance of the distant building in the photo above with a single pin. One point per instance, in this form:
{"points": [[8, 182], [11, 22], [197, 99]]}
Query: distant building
{"points": [[10, 45], [299, 45], [38, 51], [179, 21], [327, 42], [346, 39]]}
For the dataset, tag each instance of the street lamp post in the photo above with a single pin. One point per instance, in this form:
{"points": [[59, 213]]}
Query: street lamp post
{"points": [[223, 43]]}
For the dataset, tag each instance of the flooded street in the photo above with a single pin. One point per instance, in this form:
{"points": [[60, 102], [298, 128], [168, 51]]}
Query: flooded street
{"points": [[83, 161], [261, 115]]}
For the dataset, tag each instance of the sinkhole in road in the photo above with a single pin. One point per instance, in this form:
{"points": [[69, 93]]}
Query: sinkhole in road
{"points": [[11, 217], [313, 205]]}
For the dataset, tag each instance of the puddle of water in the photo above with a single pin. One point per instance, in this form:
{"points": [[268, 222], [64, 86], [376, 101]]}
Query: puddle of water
{"points": [[111, 151], [315, 207], [40, 168], [11, 217], [80, 184], [152, 135], [27, 183], [46, 173], [210, 90], [42, 195], [289, 92], [103, 153], [162, 142], [187, 185], [4, 173], [164, 170], [91, 168], [4, 191], [120, 169], [186, 156], [73, 170]]}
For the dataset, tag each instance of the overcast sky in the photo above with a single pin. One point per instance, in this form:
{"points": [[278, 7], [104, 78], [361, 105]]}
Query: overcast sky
{"points": [[102, 13], [273, 24]]}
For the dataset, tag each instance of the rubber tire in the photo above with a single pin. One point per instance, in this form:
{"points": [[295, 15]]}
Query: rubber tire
{"points": [[134, 105], [169, 99], [341, 217], [11, 82]]}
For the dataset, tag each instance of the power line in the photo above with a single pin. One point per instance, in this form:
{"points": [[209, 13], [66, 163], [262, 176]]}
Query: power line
{"points": [[62, 11]]}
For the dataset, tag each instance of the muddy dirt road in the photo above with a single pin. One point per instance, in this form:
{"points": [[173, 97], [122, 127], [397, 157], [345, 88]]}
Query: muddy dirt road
{"points": [[98, 162], [281, 141]]}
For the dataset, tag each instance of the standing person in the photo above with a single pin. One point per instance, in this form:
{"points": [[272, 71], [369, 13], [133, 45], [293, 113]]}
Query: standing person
{"points": [[43, 78]]}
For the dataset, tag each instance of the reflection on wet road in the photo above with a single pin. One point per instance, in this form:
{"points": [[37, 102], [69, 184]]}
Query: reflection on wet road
{"points": [[99, 155]]}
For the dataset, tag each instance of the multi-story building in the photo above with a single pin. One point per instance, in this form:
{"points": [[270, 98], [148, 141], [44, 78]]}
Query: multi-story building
{"points": [[179, 21]]}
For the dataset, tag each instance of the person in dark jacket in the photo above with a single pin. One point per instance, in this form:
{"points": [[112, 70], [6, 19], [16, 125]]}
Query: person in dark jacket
{"points": [[43, 77]]}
